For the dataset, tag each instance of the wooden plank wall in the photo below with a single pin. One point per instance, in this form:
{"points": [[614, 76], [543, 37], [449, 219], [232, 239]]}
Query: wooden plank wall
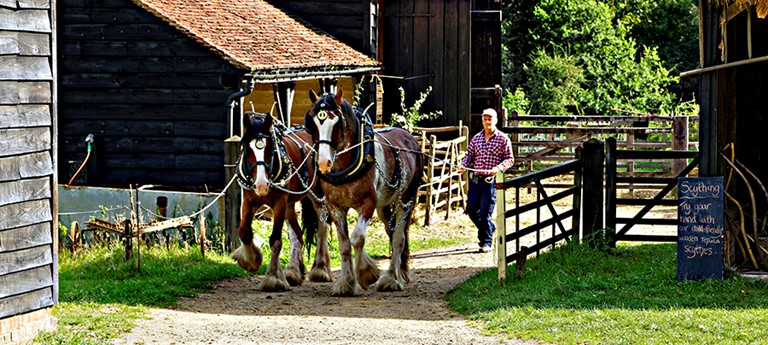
{"points": [[345, 20], [28, 259], [427, 43], [742, 108], [152, 97]]}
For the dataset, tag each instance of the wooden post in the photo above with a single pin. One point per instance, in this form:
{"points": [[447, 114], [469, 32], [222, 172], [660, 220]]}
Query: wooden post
{"points": [[232, 195], [162, 212], [679, 142], [592, 202], [577, 178], [630, 164], [513, 122], [610, 189], [127, 239], [202, 234], [501, 227]]}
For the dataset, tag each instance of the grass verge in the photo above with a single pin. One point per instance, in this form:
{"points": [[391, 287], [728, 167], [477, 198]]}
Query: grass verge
{"points": [[101, 295], [578, 295]]}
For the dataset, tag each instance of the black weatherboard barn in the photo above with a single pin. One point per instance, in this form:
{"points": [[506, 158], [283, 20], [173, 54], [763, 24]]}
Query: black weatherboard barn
{"points": [[454, 46], [149, 78]]}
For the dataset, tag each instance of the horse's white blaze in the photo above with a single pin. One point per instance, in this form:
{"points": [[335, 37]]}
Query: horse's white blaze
{"points": [[262, 180], [325, 130]]}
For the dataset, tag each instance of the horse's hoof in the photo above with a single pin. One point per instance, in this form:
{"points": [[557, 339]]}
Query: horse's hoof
{"points": [[367, 272], [343, 289], [293, 276], [320, 275], [273, 284], [387, 283], [252, 264], [366, 278]]}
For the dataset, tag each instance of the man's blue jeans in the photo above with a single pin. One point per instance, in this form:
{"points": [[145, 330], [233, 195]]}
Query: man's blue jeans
{"points": [[481, 199]]}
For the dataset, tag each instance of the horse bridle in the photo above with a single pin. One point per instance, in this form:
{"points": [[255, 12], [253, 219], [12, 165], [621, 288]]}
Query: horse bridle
{"points": [[363, 158], [277, 172]]}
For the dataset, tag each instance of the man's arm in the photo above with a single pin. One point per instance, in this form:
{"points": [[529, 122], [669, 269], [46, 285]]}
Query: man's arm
{"points": [[509, 159]]}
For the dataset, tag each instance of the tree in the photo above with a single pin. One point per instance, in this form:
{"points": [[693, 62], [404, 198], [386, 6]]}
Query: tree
{"points": [[587, 43]]}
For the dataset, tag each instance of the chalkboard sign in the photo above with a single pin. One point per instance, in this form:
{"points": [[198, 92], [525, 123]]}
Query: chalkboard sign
{"points": [[700, 228]]}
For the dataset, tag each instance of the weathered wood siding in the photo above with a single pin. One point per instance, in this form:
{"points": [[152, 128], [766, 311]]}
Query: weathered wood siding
{"points": [[28, 259], [742, 116], [152, 97], [427, 43], [346, 20], [421, 43]]}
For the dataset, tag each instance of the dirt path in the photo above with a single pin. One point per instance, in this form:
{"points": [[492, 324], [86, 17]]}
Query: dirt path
{"points": [[236, 313]]}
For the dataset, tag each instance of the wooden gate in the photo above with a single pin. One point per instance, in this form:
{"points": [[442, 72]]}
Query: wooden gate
{"points": [[441, 185], [561, 225], [664, 183]]}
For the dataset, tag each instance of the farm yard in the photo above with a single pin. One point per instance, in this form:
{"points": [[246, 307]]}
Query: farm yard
{"points": [[595, 243], [445, 255]]}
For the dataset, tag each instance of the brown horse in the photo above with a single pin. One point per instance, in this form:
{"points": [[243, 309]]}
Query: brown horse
{"points": [[273, 171], [365, 170]]}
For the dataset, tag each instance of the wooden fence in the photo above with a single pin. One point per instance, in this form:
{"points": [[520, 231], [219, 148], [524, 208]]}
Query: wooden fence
{"points": [[539, 141], [596, 173], [663, 184], [547, 231]]}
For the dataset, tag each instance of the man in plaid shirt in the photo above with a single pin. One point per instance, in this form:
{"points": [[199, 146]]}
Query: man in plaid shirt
{"points": [[489, 151]]}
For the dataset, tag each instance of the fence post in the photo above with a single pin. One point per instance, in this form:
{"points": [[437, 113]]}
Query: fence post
{"points": [[679, 142], [610, 188], [592, 202], [162, 212], [501, 226], [232, 195], [577, 178], [513, 122]]}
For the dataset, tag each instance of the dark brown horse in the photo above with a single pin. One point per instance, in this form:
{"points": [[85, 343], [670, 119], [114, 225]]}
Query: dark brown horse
{"points": [[274, 171], [365, 170]]}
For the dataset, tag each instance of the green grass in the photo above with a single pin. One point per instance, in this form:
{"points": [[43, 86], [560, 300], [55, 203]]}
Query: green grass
{"points": [[577, 295], [101, 294]]}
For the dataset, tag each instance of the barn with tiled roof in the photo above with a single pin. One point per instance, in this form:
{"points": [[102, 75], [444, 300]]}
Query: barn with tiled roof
{"points": [[149, 79]]}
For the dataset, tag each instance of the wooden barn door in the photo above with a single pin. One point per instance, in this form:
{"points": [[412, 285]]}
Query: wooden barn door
{"points": [[485, 61], [423, 44]]}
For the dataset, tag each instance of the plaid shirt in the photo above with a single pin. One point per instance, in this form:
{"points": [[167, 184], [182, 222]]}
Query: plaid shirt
{"points": [[482, 156]]}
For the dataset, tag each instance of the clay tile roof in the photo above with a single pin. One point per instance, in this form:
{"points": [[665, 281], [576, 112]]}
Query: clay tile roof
{"points": [[254, 35]]}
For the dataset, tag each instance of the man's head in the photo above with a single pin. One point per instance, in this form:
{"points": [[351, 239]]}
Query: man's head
{"points": [[489, 120]]}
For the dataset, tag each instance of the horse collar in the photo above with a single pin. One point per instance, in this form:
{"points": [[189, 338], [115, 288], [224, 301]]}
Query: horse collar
{"points": [[363, 156]]}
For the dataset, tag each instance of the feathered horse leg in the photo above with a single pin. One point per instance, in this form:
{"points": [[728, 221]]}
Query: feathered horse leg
{"points": [[274, 279], [248, 255], [295, 270], [346, 285], [367, 270]]}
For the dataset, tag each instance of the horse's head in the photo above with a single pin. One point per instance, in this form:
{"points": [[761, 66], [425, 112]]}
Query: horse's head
{"points": [[325, 121], [258, 146]]}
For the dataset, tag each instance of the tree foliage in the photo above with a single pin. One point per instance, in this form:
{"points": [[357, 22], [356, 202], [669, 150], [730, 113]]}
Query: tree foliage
{"points": [[582, 56]]}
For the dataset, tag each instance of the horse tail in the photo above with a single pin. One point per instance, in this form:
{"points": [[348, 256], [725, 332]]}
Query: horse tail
{"points": [[309, 223], [411, 198]]}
